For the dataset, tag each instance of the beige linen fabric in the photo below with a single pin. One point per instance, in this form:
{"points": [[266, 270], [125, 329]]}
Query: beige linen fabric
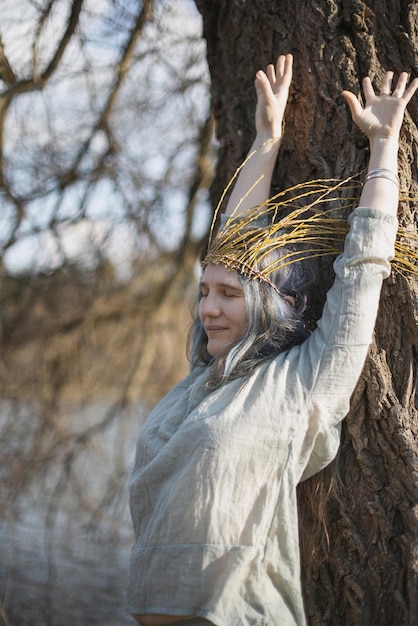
{"points": [[213, 490]]}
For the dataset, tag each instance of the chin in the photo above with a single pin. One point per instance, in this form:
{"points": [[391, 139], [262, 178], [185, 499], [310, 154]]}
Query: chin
{"points": [[218, 350], [214, 349]]}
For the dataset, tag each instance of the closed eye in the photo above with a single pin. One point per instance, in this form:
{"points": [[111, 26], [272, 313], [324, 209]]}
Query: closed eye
{"points": [[227, 291]]}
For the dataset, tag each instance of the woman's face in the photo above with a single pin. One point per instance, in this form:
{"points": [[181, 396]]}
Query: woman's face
{"points": [[222, 309]]}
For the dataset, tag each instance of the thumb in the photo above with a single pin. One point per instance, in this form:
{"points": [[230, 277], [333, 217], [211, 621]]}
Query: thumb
{"points": [[261, 83], [353, 103]]}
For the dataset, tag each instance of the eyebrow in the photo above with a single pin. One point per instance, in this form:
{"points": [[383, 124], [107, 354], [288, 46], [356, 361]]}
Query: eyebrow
{"points": [[224, 285]]}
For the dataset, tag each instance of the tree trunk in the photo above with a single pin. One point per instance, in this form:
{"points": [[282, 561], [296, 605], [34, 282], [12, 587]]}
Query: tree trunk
{"points": [[370, 573]]}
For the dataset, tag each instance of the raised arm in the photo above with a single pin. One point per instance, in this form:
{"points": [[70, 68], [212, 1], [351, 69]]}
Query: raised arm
{"points": [[345, 330], [381, 120], [252, 187]]}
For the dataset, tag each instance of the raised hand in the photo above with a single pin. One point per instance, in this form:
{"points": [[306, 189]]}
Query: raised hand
{"points": [[272, 89], [382, 114]]}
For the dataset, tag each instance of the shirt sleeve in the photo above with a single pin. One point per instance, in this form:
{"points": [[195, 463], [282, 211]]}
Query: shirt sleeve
{"points": [[332, 359]]}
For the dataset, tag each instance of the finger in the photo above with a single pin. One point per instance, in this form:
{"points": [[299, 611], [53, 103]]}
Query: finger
{"points": [[271, 74], [262, 84], [288, 66], [284, 70], [386, 87], [354, 104], [399, 90], [368, 88], [410, 91], [280, 65]]}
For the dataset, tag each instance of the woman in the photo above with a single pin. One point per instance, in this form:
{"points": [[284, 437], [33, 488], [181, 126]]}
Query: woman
{"points": [[212, 493]]}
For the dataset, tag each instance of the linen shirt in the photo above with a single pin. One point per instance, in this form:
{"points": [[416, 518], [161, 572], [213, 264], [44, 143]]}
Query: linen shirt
{"points": [[213, 490]]}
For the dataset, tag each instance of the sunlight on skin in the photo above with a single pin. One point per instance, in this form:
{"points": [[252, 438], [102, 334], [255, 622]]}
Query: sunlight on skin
{"points": [[222, 308]]}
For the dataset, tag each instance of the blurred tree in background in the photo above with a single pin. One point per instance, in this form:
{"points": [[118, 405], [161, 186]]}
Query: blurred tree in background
{"points": [[106, 152]]}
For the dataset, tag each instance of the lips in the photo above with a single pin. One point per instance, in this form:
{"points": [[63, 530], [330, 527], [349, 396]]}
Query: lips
{"points": [[214, 329]]}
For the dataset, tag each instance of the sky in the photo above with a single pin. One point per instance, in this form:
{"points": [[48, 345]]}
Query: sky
{"points": [[154, 124]]}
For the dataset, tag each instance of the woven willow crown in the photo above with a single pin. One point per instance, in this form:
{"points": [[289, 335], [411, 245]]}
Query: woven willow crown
{"points": [[311, 227]]}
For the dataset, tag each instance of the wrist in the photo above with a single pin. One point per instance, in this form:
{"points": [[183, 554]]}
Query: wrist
{"points": [[267, 141], [382, 172], [384, 152], [384, 142]]}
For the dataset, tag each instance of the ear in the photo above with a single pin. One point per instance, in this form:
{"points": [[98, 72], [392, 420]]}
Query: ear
{"points": [[291, 300]]}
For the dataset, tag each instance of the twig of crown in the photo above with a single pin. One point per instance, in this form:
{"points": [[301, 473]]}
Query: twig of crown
{"points": [[306, 221]]}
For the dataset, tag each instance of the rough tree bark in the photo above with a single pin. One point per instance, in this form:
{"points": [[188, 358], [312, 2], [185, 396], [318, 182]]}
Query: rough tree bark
{"points": [[370, 575]]}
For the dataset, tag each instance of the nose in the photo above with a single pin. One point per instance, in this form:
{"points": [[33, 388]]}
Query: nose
{"points": [[209, 307]]}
